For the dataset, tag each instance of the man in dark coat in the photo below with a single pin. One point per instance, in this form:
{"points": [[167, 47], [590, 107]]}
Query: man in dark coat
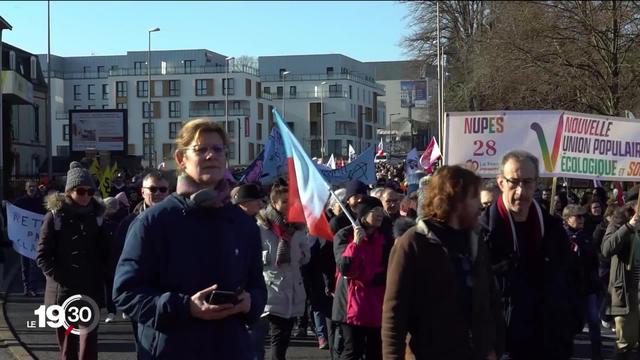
{"points": [[34, 202], [529, 254]]}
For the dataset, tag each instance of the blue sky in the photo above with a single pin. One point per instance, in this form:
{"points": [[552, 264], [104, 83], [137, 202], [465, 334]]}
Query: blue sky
{"points": [[364, 30]]}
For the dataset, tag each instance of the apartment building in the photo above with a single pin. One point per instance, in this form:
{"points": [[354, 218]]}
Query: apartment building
{"points": [[185, 84], [24, 93], [328, 97]]}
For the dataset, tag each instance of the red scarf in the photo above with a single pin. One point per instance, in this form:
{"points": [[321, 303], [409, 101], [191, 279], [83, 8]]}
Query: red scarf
{"points": [[533, 229]]}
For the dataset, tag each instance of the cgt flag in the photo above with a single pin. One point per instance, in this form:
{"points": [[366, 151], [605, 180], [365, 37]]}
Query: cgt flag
{"points": [[308, 191], [430, 156]]}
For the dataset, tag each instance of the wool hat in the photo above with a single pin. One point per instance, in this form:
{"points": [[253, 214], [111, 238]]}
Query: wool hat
{"points": [[355, 187], [246, 192], [78, 176], [122, 198], [573, 210], [367, 204]]}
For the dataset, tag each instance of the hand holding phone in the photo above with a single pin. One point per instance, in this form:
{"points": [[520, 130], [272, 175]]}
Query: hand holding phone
{"points": [[218, 297]]}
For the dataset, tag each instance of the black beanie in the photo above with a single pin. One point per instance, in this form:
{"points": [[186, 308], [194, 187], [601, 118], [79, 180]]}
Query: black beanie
{"points": [[355, 187], [367, 204]]}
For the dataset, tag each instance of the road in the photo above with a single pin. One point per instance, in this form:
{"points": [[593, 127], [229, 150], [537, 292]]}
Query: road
{"points": [[116, 339]]}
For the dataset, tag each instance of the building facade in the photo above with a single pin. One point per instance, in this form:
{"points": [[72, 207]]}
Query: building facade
{"points": [[185, 84], [328, 97]]}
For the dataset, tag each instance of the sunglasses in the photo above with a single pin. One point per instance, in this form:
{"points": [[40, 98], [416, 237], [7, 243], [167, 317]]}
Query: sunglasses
{"points": [[155, 189], [85, 191]]}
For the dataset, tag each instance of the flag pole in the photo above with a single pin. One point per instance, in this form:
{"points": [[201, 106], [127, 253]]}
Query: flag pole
{"points": [[344, 208]]}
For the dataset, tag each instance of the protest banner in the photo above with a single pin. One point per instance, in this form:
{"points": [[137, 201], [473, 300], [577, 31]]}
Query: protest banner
{"points": [[568, 144], [23, 228], [361, 168]]}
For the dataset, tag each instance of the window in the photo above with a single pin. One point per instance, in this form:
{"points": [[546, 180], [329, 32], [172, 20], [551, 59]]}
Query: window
{"points": [[350, 92], [77, 107], [335, 90], [282, 71], [121, 89], [174, 129], [230, 87], [33, 67], [368, 132], [174, 109], [147, 135], [258, 89], [291, 126], [247, 87], [267, 90], [105, 106], [231, 129], [174, 87], [258, 131], [168, 150], [187, 66], [330, 70], [100, 70], [65, 132], [86, 69], [142, 88], [76, 92], [260, 111], [121, 105], [155, 110], [335, 147], [252, 154], [105, 91], [280, 92], [62, 150], [36, 124], [91, 91], [292, 92], [91, 107], [137, 67], [201, 87], [346, 128]]}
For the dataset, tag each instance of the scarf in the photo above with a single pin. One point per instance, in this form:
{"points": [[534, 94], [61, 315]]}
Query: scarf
{"points": [[203, 196], [533, 229], [283, 231]]}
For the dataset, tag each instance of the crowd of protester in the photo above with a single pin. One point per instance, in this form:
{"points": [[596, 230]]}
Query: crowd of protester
{"points": [[448, 267]]}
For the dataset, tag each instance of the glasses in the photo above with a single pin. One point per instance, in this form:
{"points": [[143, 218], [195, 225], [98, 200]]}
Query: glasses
{"points": [[202, 151], [155, 189], [522, 183], [85, 191]]}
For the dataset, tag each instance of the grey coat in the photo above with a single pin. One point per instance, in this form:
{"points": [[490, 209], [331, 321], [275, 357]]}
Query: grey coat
{"points": [[285, 290], [618, 245]]}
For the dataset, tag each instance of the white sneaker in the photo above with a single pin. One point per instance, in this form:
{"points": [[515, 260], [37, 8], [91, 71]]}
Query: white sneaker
{"points": [[124, 316], [109, 318], [605, 324]]}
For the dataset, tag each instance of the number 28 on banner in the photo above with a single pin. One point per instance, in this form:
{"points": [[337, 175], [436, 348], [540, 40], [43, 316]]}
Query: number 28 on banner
{"points": [[483, 148], [79, 314]]}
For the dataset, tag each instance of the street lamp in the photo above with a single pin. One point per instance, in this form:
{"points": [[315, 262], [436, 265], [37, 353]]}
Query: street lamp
{"points": [[225, 89], [390, 136], [152, 149], [284, 77], [4, 25]]}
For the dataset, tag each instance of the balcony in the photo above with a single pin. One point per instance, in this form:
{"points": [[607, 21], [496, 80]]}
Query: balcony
{"points": [[314, 95], [62, 116], [181, 70], [323, 77], [218, 112]]}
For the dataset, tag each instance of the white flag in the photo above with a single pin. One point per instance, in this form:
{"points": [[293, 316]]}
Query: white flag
{"points": [[332, 162], [430, 156], [352, 153]]}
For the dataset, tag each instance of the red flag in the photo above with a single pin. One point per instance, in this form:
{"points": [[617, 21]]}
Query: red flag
{"points": [[430, 156]]}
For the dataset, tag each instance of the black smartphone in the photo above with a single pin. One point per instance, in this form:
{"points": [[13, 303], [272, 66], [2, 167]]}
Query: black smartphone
{"points": [[218, 297]]}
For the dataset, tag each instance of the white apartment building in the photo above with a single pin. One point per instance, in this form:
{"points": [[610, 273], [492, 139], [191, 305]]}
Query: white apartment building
{"points": [[330, 87], [185, 84]]}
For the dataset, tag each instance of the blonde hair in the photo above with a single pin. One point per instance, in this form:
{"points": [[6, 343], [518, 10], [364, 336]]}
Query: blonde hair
{"points": [[192, 130]]}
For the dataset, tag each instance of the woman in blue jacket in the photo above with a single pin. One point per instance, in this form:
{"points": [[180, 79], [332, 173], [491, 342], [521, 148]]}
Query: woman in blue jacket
{"points": [[181, 250]]}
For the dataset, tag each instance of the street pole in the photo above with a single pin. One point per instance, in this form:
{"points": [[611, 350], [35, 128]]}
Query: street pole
{"points": [[152, 130], [239, 147], [440, 130], [284, 80], [48, 103], [3, 25], [225, 89], [391, 143], [322, 120]]}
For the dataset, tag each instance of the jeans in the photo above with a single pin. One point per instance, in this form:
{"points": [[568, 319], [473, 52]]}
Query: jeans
{"points": [[593, 317], [27, 266], [320, 325], [280, 336], [359, 341]]}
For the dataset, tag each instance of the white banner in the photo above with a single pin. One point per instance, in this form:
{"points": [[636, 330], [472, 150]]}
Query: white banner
{"points": [[24, 228], [567, 144]]}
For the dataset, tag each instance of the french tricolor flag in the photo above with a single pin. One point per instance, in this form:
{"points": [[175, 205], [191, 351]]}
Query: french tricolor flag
{"points": [[308, 191]]}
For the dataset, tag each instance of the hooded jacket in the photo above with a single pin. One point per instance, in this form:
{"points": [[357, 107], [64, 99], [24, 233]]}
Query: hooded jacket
{"points": [[286, 295], [72, 250]]}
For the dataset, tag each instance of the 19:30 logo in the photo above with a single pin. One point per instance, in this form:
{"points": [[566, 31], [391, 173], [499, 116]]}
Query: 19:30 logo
{"points": [[79, 314]]}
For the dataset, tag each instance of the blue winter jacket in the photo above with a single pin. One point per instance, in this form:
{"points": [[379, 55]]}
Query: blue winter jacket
{"points": [[173, 251]]}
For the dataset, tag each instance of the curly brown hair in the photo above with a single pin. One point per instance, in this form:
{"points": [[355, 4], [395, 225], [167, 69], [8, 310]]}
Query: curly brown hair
{"points": [[449, 186]]}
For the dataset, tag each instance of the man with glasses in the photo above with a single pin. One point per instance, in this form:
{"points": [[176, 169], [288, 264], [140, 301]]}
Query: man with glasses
{"points": [[529, 254], [34, 202], [155, 188]]}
